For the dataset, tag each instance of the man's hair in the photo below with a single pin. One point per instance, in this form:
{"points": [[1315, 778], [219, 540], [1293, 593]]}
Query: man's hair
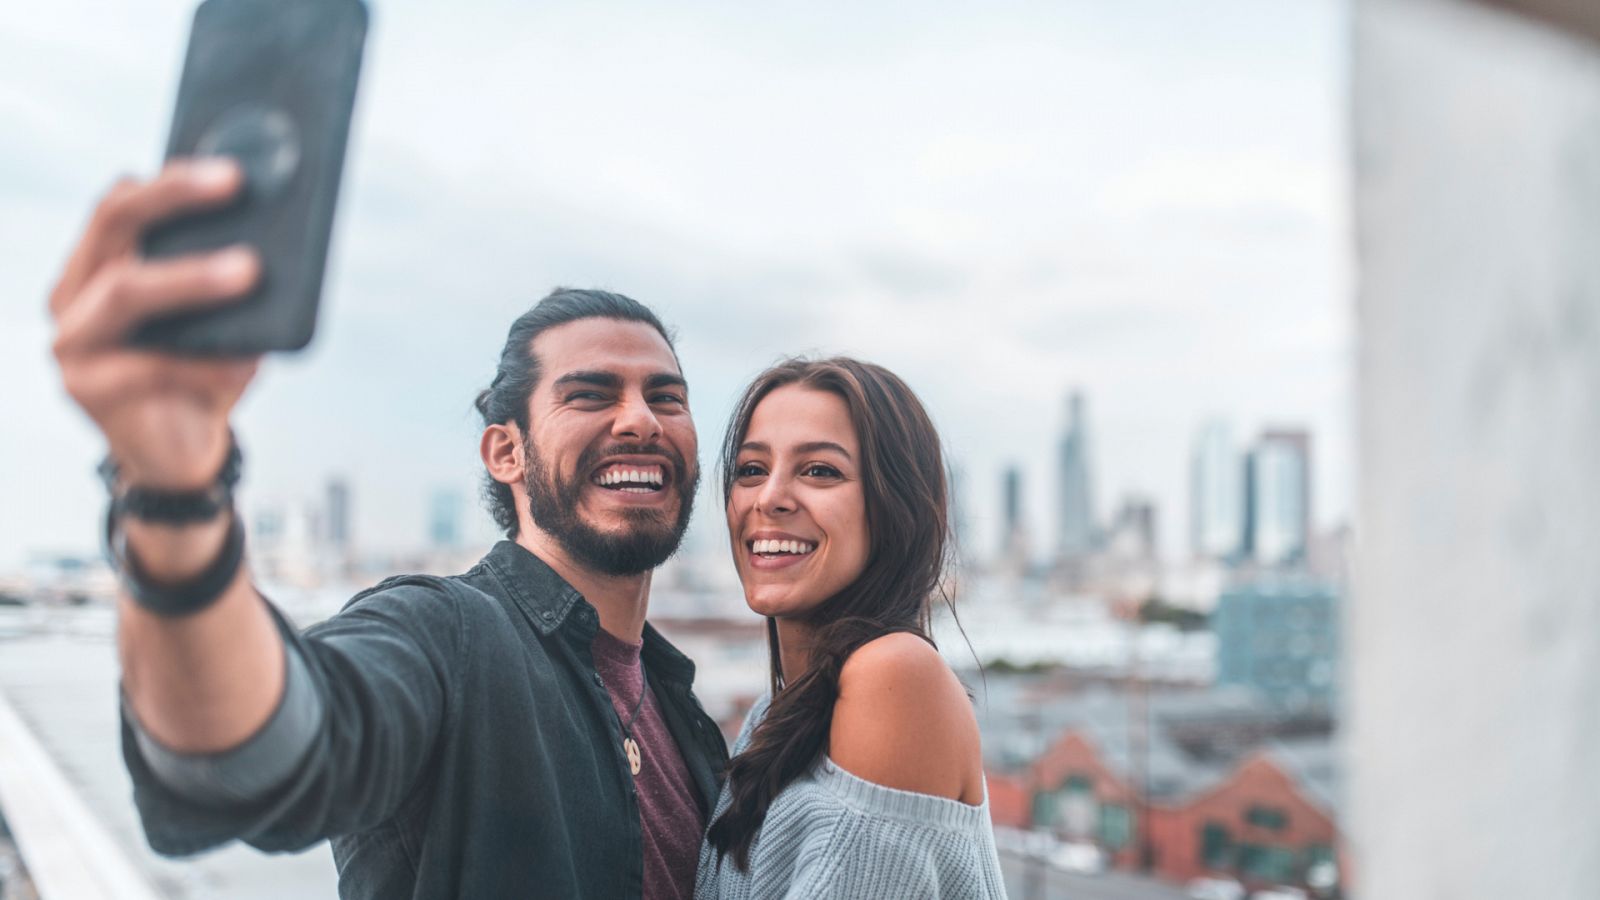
{"points": [[505, 400]]}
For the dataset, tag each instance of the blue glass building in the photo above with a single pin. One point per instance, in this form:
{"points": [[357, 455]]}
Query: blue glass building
{"points": [[1279, 635]]}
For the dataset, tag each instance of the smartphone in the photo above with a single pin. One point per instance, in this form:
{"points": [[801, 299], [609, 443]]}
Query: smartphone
{"points": [[271, 83]]}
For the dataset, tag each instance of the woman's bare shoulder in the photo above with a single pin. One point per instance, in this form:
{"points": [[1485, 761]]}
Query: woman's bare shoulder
{"points": [[903, 720]]}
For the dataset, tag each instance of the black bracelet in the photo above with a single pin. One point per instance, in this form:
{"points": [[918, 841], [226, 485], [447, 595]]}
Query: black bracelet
{"points": [[182, 599], [175, 507]]}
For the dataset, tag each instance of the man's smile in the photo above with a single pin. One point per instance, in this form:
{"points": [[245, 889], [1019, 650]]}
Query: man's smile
{"points": [[631, 478]]}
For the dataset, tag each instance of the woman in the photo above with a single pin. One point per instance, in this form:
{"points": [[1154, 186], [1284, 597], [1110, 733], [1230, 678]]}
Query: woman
{"points": [[860, 775]]}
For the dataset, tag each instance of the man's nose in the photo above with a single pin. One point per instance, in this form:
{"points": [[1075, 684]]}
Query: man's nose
{"points": [[636, 421]]}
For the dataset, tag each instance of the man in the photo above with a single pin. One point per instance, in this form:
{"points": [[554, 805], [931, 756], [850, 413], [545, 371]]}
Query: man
{"points": [[517, 730]]}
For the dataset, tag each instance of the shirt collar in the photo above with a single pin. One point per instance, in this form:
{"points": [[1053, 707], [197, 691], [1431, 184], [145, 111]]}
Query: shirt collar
{"points": [[544, 596], [549, 602]]}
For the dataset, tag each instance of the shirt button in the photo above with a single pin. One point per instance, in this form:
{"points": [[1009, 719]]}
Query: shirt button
{"points": [[547, 615]]}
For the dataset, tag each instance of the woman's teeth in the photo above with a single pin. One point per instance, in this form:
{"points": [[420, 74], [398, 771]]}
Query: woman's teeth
{"points": [[776, 547]]}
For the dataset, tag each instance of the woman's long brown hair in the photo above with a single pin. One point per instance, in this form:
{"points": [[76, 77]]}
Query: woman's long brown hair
{"points": [[905, 487]]}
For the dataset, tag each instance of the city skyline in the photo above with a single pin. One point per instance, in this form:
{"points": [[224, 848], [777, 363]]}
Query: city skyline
{"points": [[997, 206], [1221, 475]]}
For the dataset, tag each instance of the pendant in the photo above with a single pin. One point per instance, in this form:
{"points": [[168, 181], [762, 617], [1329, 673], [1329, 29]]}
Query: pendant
{"points": [[634, 758]]}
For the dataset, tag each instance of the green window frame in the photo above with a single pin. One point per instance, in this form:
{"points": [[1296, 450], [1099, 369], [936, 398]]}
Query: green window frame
{"points": [[1267, 862], [1216, 846], [1269, 817], [1116, 826]]}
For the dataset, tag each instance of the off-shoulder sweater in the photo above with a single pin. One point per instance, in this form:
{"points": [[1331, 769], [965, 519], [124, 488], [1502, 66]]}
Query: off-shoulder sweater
{"points": [[832, 834]]}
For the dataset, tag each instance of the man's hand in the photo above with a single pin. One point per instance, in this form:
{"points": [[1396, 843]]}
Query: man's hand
{"points": [[164, 417], [206, 681]]}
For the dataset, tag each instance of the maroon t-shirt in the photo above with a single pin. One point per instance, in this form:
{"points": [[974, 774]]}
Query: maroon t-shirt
{"points": [[669, 813]]}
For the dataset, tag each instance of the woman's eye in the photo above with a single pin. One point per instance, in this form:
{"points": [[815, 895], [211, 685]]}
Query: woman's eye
{"points": [[818, 470], [749, 470]]}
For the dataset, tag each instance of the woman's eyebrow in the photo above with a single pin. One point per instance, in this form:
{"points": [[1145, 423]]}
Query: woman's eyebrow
{"points": [[814, 446], [808, 447]]}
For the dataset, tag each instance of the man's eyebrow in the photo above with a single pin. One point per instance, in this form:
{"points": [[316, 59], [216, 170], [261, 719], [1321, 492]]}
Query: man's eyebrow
{"points": [[664, 379], [594, 379], [809, 447]]}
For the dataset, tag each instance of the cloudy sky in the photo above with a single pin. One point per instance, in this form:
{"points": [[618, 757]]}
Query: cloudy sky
{"points": [[1144, 199]]}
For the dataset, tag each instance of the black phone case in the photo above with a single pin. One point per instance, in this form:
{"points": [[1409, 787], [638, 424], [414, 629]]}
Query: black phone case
{"points": [[271, 83]]}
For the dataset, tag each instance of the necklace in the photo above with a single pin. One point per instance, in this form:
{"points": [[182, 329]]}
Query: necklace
{"points": [[629, 745]]}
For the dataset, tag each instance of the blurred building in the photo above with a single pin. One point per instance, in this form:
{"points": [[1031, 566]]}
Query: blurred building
{"points": [[1076, 533], [1182, 783], [1014, 548], [337, 514], [287, 543], [1216, 493], [1269, 822], [1125, 571], [444, 520], [1133, 530], [1279, 637], [338, 548], [67, 579], [1278, 498]]}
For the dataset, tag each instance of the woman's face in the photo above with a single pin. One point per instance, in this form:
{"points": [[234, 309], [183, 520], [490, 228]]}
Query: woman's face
{"points": [[797, 515]]}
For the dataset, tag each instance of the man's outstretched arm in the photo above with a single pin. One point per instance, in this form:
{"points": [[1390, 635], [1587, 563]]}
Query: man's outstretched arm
{"points": [[206, 681]]}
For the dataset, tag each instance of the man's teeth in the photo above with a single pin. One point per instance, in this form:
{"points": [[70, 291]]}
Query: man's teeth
{"points": [[631, 477], [800, 547]]}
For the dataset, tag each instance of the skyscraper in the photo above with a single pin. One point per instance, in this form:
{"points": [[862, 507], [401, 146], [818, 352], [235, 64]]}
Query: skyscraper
{"points": [[338, 514], [1077, 533], [1014, 531], [1216, 493], [1279, 497]]}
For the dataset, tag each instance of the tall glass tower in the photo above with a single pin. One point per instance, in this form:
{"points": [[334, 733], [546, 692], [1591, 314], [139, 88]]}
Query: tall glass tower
{"points": [[1280, 497], [1216, 493], [1077, 532]]}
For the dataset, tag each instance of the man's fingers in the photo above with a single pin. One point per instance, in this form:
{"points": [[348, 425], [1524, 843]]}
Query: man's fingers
{"points": [[125, 293], [109, 379], [130, 207]]}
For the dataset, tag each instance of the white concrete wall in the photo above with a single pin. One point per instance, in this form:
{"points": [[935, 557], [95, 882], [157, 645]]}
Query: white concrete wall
{"points": [[1474, 675]]}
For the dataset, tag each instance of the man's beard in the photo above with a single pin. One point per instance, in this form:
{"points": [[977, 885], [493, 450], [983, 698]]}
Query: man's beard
{"points": [[650, 536]]}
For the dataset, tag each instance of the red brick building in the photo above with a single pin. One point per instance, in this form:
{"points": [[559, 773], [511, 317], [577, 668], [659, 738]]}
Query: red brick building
{"points": [[1256, 822], [1256, 825]]}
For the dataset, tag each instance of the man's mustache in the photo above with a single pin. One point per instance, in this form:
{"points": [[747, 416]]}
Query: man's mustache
{"points": [[594, 458]]}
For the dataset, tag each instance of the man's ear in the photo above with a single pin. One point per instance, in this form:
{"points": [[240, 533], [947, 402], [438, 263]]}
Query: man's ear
{"points": [[501, 450]]}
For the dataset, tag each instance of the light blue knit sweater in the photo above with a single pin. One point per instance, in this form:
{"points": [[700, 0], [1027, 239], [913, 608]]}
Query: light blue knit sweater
{"points": [[831, 834]]}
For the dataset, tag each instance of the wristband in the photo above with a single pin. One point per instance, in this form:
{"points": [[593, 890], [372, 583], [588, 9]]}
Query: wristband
{"points": [[176, 600], [175, 507]]}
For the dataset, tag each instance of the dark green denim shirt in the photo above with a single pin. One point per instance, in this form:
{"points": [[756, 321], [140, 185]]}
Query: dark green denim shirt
{"points": [[466, 746]]}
